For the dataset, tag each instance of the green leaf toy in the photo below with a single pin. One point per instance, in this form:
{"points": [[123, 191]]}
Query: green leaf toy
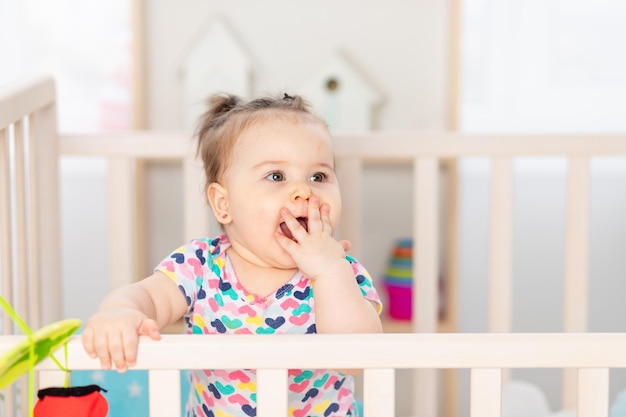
{"points": [[36, 347], [46, 340]]}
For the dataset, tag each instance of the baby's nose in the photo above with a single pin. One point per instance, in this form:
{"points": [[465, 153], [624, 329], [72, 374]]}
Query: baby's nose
{"points": [[301, 190]]}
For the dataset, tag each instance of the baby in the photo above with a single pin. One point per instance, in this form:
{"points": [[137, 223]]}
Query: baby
{"points": [[276, 269]]}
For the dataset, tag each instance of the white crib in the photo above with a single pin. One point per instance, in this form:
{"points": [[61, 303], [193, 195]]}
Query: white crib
{"points": [[31, 270]]}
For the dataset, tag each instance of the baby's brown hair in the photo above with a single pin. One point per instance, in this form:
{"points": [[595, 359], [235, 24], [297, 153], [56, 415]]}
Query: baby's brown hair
{"points": [[229, 115]]}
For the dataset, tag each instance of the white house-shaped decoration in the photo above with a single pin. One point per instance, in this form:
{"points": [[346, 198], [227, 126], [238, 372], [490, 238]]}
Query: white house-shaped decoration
{"points": [[217, 63], [341, 95]]}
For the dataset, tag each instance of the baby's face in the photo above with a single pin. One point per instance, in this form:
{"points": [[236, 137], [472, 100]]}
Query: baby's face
{"points": [[278, 164]]}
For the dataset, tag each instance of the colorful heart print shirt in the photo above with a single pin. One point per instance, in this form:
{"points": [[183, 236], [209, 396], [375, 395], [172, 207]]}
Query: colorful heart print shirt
{"points": [[217, 303]]}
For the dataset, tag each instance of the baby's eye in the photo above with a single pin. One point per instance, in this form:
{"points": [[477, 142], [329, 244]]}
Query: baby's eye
{"points": [[318, 177], [275, 176]]}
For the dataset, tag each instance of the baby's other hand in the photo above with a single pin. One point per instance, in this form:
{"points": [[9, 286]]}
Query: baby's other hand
{"points": [[112, 335]]}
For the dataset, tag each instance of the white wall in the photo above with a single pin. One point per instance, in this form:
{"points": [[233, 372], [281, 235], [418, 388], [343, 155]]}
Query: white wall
{"points": [[400, 45]]}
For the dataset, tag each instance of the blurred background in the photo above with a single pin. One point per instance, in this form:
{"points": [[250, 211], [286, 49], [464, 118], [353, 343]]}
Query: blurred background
{"points": [[505, 66]]}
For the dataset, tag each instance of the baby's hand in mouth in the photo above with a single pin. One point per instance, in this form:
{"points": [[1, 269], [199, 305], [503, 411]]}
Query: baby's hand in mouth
{"points": [[309, 241], [303, 222]]}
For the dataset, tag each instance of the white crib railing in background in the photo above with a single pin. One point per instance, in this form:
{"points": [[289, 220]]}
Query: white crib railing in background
{"points": [[427, 152], [34, 104]]}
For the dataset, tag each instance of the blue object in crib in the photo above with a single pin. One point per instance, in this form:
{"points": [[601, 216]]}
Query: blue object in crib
{"points": [[127, 393]]}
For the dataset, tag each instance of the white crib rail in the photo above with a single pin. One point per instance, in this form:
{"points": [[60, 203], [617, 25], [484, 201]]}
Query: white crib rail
{"points": [[593, 354]]}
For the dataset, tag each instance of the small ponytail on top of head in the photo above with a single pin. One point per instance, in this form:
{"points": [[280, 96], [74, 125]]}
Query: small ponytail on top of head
{"points": [[228, 116], [218, 107]]}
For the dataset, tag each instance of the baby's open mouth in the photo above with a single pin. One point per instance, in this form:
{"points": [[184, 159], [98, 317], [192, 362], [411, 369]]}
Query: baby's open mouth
{"points": [[287, 232]]}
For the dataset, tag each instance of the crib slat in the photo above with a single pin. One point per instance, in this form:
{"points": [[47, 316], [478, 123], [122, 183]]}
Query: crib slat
{"points": [[34, 234], [426, 274], [501, 245], [425, 386], [575, 287], [198, 220], [43, 158], [121, 195], [24, 306], [271, 388], [486, 392], [378, 392], [577, 246], [425, 255], [350, 177], [593, 392], [164, 388], [6, 274], [23, 281], [9, 401]]}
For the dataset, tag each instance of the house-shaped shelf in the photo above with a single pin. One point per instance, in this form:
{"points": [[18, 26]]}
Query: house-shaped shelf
{"points": [[341, 95], [216, 63]]}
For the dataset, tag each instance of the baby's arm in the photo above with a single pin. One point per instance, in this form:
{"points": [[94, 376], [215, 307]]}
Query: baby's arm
{"points": [[142, 308], [339, 304]]}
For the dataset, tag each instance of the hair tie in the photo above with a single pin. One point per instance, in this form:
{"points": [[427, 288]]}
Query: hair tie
{"points": [[287, 97]]}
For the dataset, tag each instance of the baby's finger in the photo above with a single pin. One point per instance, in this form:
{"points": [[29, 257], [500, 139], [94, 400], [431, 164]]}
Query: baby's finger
{"points": [[294, 226], [150, 328], [118, 356], [88, 343], [101, 347], [129, 343], [325, 216], [287, 244], [314, 220]]}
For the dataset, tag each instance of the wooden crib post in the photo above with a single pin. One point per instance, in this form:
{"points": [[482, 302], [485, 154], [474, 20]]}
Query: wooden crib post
{"points": [[6, 251], [21, 269], [577, 246], [501, 245], [593, 392], [121, 218], [164, 388], [45, 234], [575, 286], [271, 392], [486, 393], [5, 225], [198, 219], [349, 175], [379, 392], [426, 275]]}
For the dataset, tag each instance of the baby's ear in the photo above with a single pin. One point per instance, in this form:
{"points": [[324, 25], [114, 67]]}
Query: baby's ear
{"points": [[218, 198]]}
